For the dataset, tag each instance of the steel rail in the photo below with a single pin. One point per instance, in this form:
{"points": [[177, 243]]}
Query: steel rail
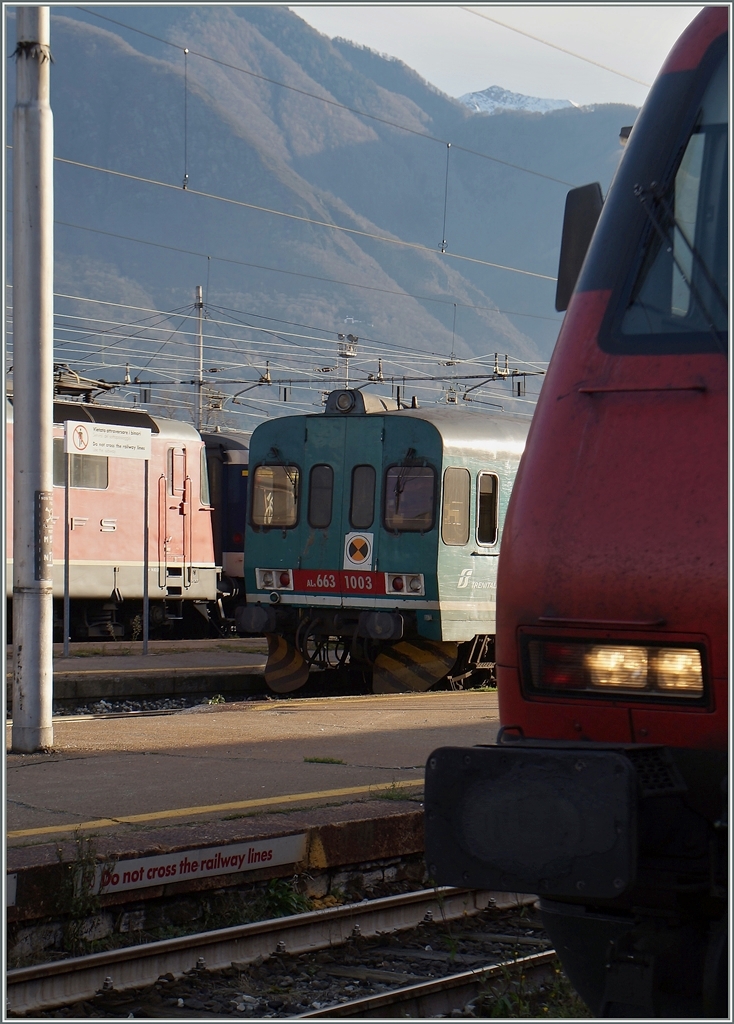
{"points": [[439, 995], [44, 986]]}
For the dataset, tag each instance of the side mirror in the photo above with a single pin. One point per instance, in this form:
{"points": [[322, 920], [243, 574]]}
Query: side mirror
{"points": [[583, 206]]}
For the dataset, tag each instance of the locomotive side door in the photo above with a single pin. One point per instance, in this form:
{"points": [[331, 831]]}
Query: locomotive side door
{"points": [[174, 493]]}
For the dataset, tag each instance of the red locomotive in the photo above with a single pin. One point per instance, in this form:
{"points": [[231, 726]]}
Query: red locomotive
{"points": [[606, 793]]}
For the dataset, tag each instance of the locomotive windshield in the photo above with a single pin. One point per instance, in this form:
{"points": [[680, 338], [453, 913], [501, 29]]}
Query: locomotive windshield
{"points": [[275, 496], [682, 286], [409, 498]]}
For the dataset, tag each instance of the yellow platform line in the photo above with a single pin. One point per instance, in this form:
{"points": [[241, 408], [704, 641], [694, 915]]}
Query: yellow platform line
{"points": [[239, 805]]}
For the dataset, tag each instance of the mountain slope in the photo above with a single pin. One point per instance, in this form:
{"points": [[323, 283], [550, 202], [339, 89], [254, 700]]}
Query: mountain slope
{"points": [[119, 100]]}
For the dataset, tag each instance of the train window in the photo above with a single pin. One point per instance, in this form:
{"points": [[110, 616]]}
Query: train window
{"points": [[204, 493], [682, 287], [488, 488], [90, 471], [362, 504], [456, 498], [409, 498], [176, 470], [275, 496], [320, 491]]}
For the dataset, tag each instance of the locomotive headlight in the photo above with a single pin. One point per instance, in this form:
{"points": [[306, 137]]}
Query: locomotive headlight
{"points": [[618, 666], [398, 583], [573, 667], [274, 579], [678, 668]]}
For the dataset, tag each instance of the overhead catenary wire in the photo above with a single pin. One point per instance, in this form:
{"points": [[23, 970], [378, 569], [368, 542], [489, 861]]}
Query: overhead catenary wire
{"points": [[309, 277], [113, 325], [179, 357], [418, 246], [444, 243], [555, 46], [185, 182], [430, 386], [381, 343]]}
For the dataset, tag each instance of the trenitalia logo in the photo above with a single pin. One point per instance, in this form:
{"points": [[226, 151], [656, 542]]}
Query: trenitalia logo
{"points": [[464, 579]]}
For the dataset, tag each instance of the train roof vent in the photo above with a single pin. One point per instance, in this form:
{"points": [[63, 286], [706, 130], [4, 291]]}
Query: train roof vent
{"points": [[356, 403]]}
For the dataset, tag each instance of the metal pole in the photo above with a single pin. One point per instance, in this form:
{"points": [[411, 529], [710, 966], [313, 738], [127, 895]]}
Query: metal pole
{"points": [[32, 386], [200, 307], [67, 458], [146, 602]]}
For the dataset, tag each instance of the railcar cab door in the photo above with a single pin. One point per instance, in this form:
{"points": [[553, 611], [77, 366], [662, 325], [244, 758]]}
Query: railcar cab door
{"points": [[342, 469], [320, 525], [360, 507]]}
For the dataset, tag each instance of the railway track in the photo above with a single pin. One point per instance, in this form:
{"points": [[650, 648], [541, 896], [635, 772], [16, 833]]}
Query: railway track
{"points": [[438, 998], [144, 980]]}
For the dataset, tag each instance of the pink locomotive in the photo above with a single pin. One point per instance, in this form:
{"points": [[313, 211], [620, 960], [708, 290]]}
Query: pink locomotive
{"points": [[106, 536]]}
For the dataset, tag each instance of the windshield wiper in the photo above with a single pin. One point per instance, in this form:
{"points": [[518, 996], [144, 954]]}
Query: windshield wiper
{"points": [[643, 194]]}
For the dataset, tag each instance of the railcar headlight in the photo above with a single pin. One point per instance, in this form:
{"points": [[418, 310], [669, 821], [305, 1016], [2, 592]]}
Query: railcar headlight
{"points": [[617, 666], [678, 668], [345, 401], [571, 666], [266, 580]]}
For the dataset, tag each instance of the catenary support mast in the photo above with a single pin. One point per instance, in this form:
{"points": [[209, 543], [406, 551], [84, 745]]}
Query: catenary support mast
{"points": [[200, 313], [32, 385]]}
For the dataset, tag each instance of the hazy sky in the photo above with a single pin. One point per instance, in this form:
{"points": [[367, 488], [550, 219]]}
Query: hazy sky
{"points": [[459, 52]]}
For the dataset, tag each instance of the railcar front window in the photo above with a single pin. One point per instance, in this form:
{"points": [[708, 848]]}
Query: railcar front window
{"points": [[275, 496], [362, 505], [487, 501], [682, 286], [319, 496], [455, 520], [409, 498]]}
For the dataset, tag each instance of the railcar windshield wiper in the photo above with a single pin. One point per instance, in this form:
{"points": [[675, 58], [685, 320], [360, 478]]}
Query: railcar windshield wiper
{"points": [[666, 230]]}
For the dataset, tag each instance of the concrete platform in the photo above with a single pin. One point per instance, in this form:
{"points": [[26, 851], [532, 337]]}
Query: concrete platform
{"points": [[120, 671], [339, 772]]}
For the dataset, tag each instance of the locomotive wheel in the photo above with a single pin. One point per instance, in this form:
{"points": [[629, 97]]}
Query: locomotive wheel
{"points": [[286, 669], [412, 665]]}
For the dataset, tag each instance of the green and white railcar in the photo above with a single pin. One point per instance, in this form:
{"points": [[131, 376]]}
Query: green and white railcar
{"points": [[372, 539]]}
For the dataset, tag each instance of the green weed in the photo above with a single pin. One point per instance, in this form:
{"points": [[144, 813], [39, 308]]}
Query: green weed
{"points": [[280, 898], [512, 997], [396, 792], [324, 760], [77, 898]]}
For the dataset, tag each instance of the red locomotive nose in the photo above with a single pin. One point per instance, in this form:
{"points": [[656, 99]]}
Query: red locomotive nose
{"points": [[285, 579], [397, 583]]}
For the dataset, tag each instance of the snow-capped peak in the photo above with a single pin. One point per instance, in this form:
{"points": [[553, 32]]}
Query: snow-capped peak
{"points": [[495, 99]]}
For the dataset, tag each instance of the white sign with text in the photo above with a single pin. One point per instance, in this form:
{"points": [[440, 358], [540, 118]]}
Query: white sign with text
{"points": [[141, 872], [108, 439]]}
